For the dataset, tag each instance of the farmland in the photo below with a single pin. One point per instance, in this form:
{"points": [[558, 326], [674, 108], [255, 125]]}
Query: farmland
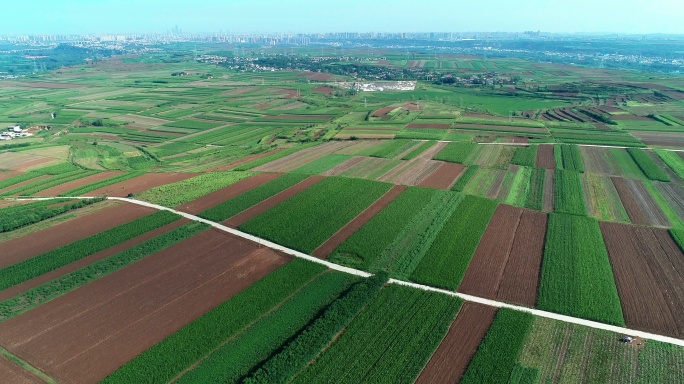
{"points": [[544, 186]]}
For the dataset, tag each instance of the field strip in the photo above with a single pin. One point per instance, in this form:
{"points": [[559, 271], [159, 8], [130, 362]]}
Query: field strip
{"points": [[579, 145], [475, 299], [27, 367]]}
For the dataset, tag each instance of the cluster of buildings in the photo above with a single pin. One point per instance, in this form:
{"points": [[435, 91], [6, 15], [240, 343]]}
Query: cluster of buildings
{"points": [[14, 131]]}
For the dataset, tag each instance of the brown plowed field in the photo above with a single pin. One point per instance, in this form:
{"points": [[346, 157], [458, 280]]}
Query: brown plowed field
{"points": [[411, 172], [519, 281], [489, 261], [340, 236], [507, 262], [19, 161], [212, 199], [429, 153], [382, 112], [302, 157], [140, 183], [324, 90], [56, 191], [33, 244], [8, 174], [548, 192], [638, 203], [271, 202], [344, 166], [649, 273], [42, 279], [444, 176], [450, 360], [11, 373], [545, 157], [87, 334]]}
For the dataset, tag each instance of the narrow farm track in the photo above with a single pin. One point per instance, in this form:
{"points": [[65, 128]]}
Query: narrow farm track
{"points": [[356, 272]]}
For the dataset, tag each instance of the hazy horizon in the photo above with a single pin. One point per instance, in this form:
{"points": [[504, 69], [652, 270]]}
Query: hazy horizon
{"points": [[304, 16]]}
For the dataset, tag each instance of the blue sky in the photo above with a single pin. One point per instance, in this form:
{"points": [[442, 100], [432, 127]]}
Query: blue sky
{"points": [[244, 16]]}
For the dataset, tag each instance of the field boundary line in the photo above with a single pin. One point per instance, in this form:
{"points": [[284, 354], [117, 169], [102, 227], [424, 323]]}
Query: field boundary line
{"points": [[356, 272], [552, 143], [26, 366]]}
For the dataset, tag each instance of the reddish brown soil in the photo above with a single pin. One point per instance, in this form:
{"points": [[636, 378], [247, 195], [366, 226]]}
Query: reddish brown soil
{"points": [[30, 163], [340, 236], [484, 272], [324, 90], [547, 202], [317, 76], [55, 191], [33, 244], [7, 175], [520, 140], [244, 160], [271, 202], [17, 185], [140, 183], [207, 201], [450, 360], [87, 334], [520, 278], [649, 273], [382, 112], [13, 374], [42, 279], [444, 176], [629, 201], [545, 157], [435, 126]]}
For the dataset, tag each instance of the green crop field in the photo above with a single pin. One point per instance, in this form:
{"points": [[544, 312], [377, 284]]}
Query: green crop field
{"points": [[568, 193], [173, 195]]}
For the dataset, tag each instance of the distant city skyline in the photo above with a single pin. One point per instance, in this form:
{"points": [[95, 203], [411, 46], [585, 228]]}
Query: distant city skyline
{"points": [[43, 17]]}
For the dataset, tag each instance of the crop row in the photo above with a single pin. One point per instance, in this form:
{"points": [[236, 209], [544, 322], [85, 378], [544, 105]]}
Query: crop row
{"points": [[175, 194], [193, 124], [449, 255], [275, 156], [456, 152], [22, 215], [126, 134], [577, 278], [295, 356], [61, 285], [525, 156], [389, 342], [495, 359], [56, 258], [517, 184], [392, 148], [239, 203], [647, 165], [322, 164], [97, 185], [571, 158], [418, 150], [365, 246], [307, 219], [535, 194], [43, 184], [673, 161], [465, 177], [257, 343], [568, 192], [168, 358]]}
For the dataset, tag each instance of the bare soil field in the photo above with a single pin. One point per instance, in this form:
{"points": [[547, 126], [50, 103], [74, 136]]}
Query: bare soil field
{"points": [[143, 121], [56, 191], [382, 112], [13, 374], [288, 106], [302, 157], [18, 161], [33, 244], [324, 90], [411, 172], [140, 183], [207, 201], [638, 203], [547, 204], [8, 174], [340, 236], [364, 168], [496, 185], [344, 166], [49, 85], [666, 139], [433, 126], [545, 157], [271, 202], [444, 176], [649, 273], [520, 278], [483, 276], [85, 335], [42, 279], [451, 359], [673, 192]]}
